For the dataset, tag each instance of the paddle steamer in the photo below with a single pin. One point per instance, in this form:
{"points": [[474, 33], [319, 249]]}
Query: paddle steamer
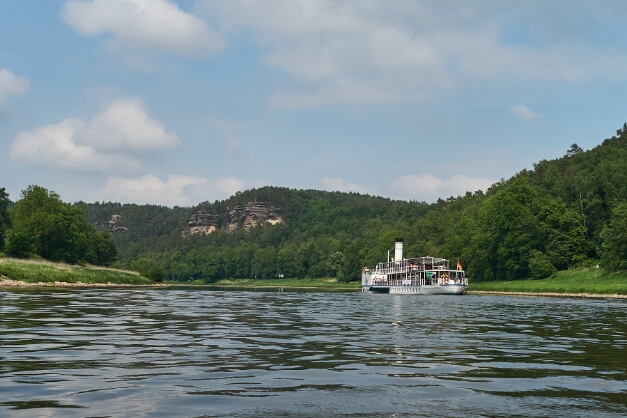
{"points": [[416, 276]]}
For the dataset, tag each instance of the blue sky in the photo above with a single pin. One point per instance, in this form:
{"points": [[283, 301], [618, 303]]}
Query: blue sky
{"points": [[178, 102]]}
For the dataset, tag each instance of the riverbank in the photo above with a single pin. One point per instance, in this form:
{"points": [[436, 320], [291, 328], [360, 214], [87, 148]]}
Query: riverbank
{"points": [[306, 283], [33, 273], [547, 294], [6, 282], [584, 283], [42, 273]]}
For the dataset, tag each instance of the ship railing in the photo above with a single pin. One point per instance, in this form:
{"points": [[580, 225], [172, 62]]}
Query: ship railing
{"points": [[420, 281], [439, 277], [408, 268]]}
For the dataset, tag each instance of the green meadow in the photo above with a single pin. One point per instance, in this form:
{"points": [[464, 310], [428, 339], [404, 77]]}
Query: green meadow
{"points": [[570, 281], [36, 271], [587, 281]]}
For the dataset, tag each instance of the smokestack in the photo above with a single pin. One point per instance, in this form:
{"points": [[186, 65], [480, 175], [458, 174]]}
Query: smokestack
{"points": [[398, 249]]}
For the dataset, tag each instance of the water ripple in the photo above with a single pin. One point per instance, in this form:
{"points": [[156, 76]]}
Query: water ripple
{"points": [[212, 353]]}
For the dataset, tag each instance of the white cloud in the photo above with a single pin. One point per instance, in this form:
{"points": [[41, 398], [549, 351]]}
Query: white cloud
{"points": [[226, 186], [429, 188], [139, 24], [177, 190], [345, 52], [524, 113], [11, 85], [99, 145], [339, 185], [125, 125], [55, 146]]}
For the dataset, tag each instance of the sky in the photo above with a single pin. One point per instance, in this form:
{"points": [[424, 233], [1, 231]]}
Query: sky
{"points": [[178, 102]]}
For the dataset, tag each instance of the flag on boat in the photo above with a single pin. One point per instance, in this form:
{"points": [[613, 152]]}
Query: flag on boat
{"points": [[459, 265]]}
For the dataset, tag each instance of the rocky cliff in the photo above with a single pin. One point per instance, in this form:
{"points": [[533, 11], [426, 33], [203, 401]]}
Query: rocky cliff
{"points": [[201, 222], [113, 225], [247, 217]]}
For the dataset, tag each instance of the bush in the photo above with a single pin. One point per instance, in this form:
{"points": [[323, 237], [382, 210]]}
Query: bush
{"points": [[20, 245], [539, 265], [149, 268], [42, 224]]}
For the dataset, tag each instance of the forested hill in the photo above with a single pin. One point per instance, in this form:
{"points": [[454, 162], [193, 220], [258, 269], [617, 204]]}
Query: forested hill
{"points": [[563, 213], [313, 226], [566, 212]]}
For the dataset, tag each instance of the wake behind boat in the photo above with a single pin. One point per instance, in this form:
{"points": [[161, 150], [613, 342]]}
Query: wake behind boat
{"points": [[418, 276]]}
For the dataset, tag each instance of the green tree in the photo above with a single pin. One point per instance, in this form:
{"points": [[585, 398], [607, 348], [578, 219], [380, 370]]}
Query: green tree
{"points": [[178, 268], [150, 269], [387, 243], [574, 150], [264, 263], [287, 262], [243, 258], [564, 233], [20, 245], [614, 239], [227, 263], [351, 269], [59, 231], [206, 262], [540, 266], [334, 265], [506, 232], [5, 221], [104, 247]]}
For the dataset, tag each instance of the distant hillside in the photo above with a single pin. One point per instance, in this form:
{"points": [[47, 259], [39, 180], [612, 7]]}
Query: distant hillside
{"points": [[563, 213], [311, 225], [591, 182]]}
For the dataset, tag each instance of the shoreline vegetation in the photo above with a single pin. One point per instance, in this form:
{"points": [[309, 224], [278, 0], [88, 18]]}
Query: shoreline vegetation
{"points": [[580, 282], [535, 233], [40, 273], [548, 294], [32, 273]]}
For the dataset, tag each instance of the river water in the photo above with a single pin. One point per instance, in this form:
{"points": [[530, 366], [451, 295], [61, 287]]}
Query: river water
{"points": [[195, 353]]}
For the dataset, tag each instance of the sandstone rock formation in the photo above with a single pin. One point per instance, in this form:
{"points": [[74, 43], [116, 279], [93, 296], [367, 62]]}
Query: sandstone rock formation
{"points": [[247, 217], [113, 225], [201, 222]]}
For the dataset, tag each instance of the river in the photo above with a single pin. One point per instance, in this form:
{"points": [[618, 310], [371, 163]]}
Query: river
{"points": [[163, 353]]}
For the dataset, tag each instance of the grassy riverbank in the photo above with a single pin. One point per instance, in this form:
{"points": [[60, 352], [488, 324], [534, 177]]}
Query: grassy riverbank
{"points": [[571, 282], [48, 273], [40, 271], [328, 283]]}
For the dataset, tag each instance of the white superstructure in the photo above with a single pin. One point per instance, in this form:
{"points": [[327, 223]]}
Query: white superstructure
{"points": [[419, 276]]}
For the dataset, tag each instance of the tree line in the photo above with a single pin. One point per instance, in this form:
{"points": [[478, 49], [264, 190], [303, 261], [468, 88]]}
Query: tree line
{"points": [[41, 224], [564, 213]]}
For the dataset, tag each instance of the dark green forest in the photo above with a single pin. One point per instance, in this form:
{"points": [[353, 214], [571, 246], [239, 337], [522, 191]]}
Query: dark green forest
{"points": [[565, 213], [40, 224]]}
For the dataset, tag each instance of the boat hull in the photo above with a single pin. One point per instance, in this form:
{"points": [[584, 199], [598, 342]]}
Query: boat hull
{"points": [[447, 289]]}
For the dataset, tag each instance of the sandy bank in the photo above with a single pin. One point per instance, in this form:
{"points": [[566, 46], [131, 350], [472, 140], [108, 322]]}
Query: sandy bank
{"points": [[6, 282]]}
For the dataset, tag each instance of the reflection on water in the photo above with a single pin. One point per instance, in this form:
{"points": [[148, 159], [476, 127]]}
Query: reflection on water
{"points": [[214, 353]]}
